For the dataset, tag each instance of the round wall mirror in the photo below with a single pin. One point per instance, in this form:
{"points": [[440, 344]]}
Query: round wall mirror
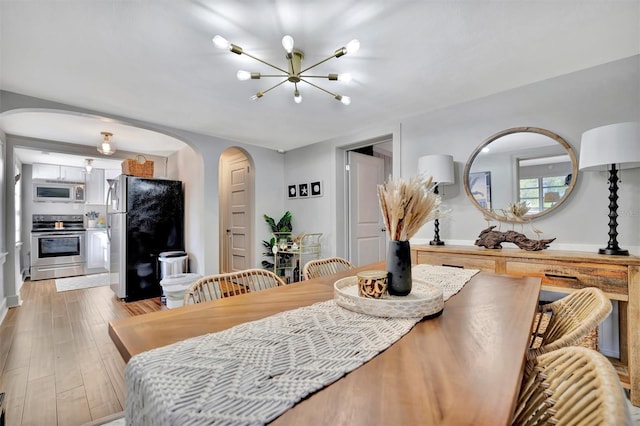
{"points": [[518, 165]]}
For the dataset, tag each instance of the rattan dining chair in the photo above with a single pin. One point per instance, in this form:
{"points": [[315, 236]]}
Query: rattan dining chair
{"points": [[569, 321], [572, 386], [321, 267], [224, 285]]}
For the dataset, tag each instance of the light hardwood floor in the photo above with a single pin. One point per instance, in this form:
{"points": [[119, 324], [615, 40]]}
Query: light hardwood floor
{"points": [[57, 362]]}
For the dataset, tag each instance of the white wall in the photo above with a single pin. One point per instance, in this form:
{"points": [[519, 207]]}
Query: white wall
{"points": [[269, 192], [312, 214], [567, 105], [3, 300], [187, 166]]}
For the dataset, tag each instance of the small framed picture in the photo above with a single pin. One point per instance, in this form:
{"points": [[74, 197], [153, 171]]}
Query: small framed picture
{"points": [[303, 190], [316, 189], [292, 191], [480, 186]]}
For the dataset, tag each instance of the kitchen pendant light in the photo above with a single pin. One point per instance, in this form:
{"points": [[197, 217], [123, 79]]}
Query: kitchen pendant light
{"points": [[88, 165], [106, 146], [295, 74]]}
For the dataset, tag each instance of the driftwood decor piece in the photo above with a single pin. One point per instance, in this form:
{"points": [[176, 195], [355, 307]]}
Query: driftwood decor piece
{"points": [[493, 240]]}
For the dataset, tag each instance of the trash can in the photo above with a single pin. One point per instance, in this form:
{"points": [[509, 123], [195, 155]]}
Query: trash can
{"points": [[172, 263], [175, 286]]}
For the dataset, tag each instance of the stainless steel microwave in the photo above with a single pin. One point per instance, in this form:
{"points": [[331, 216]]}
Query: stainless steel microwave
{"points": [[65, 192]]}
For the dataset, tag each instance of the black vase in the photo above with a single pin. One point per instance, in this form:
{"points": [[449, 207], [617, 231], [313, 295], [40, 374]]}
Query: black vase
{"points": [[399, 268]]}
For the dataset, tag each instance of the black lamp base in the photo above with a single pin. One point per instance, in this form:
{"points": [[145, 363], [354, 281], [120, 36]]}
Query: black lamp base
{"points": [[613, 251], [436, 223], [612, 246]]}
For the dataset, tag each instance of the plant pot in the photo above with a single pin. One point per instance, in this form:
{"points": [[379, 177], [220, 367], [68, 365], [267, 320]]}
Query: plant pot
{"points": [[92, 223]]}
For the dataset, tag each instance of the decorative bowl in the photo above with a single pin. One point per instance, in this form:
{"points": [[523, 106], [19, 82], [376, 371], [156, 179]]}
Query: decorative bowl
{"points": [[425, 300]]}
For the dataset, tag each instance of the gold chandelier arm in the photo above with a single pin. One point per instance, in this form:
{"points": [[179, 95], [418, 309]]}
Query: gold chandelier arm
{"points": [[315, 65], [264, 62], [271, 88], [328, 77], [318, 87]]}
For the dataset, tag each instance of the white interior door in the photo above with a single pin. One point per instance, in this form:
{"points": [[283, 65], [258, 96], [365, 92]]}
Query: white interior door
{"points": [[236, 196], [367, 234]]}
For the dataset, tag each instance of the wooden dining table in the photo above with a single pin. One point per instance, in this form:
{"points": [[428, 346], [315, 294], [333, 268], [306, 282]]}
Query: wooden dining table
{"points": [[463, 367]]}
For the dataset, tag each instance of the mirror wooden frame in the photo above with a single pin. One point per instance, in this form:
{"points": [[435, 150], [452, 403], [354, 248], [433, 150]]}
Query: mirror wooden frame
{"points": [[492, 214]]}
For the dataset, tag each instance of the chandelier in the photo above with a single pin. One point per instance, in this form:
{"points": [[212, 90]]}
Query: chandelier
{"points": [[106, 146], [295, 74]]}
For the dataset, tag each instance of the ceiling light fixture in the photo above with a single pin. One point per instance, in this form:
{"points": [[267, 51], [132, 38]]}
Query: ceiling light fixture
{"points": [[294, 74], [88, 165], [106, 146]]}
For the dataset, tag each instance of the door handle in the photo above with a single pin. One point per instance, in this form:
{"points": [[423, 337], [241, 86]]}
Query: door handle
{"points": [[383, 230]]}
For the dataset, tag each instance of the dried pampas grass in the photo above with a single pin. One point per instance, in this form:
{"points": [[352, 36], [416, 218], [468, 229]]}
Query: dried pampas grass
{"points": [[406, 206]]}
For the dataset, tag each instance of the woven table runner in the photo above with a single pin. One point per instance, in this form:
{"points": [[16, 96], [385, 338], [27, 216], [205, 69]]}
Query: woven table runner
{"points": [[446, 277], [253, 372]]}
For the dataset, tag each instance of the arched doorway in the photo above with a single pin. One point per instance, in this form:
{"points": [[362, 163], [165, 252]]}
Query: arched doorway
{"points": [[46, 135], [236, 195]]}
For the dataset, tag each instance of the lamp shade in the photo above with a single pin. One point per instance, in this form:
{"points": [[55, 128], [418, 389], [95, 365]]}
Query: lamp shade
{"points": [[439, 167], [613, 144]]}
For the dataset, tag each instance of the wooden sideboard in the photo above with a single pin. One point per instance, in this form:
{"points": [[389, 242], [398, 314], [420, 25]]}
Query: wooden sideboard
{"points": [[563, 271]]}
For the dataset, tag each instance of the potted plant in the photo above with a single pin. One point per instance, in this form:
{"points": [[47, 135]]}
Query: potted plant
{"points": [[283, 225], [92, 218]]}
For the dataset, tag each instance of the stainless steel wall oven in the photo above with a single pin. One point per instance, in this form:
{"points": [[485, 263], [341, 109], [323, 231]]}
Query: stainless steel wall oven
{"points": [[58, 246]]}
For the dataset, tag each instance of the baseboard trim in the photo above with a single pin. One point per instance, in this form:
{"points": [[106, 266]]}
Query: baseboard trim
{"points": [[3, 310], [13, 301]]}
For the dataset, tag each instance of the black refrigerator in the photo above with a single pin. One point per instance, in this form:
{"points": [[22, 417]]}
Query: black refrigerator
{"points": [[144, 218]]}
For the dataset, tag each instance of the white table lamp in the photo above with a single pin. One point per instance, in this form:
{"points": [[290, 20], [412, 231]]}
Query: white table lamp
{"points": [[440, 168], [612, 147]]}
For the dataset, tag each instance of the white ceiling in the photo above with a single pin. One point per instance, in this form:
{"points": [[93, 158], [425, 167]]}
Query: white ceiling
{"points": [[84, 131], [30, 156], [154, 61]]}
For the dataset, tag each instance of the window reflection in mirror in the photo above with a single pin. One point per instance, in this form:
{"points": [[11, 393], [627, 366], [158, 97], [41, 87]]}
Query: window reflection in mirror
{"points": [[525, 164], [543, 181]]}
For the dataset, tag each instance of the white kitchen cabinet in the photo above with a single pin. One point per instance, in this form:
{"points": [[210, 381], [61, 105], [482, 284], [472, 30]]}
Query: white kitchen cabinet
{"points": [[95, 186], [97, 251], [72, 174], [57, 172], [112, 173], [45, 171]]}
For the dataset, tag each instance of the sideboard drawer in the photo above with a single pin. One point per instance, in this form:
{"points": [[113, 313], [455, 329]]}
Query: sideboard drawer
{"points": [[612, 279], [470, 262]]}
